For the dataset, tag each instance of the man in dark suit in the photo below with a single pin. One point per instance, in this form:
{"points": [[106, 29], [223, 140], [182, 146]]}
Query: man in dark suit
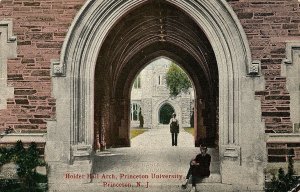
{"points": [[174, 129], [199, 168]]}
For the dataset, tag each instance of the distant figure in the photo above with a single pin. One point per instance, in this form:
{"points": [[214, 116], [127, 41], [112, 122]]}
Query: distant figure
{"points": [[199, 168], [174, 129], [141, 118]]}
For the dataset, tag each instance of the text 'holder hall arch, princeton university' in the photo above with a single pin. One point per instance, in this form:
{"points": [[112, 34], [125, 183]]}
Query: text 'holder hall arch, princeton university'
{"points": [[70, 136]]}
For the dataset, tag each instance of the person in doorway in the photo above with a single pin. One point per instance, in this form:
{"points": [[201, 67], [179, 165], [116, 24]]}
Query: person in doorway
{"points": [[174, 129], [199, 168]]}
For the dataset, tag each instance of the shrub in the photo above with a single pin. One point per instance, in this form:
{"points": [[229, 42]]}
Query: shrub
{"points": [[284, 182], [26, 161]]}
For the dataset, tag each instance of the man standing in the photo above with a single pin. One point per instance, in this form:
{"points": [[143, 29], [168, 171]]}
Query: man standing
{"points": [[199, 168], [174, 129]]}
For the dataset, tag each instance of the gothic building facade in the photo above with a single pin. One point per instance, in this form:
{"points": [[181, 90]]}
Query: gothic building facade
{"points": [[151, 101], [67, 68]]}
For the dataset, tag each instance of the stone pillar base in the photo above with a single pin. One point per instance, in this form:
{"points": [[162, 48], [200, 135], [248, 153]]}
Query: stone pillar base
{"points": [[63, 176], [241, 174], [244, 178]]}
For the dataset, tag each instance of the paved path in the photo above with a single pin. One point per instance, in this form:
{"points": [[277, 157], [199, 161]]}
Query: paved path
{"points": [[151, 158], [150, 164]]}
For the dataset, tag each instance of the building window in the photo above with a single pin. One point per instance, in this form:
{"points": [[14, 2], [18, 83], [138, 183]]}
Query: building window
{"points": [[137, 83], [161, 80], [135, 112]]}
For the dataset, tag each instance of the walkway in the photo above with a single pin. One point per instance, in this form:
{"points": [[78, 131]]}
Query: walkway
{"points": [[151, 158], [150, 164]]}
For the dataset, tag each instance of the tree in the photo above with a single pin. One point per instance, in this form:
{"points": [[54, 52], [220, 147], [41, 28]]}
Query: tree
{"points": [[177, 80]]}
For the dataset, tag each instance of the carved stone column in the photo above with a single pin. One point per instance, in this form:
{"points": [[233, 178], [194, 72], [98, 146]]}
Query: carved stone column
{"points": [[123, 122], [8, 49], [201, 131]]}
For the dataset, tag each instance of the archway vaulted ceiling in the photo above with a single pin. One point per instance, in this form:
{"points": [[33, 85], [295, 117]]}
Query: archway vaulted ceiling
{"points": [[158, 29]]}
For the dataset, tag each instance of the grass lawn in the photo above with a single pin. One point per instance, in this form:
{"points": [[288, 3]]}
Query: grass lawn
{"points": [[189, 130], [137, 131]]}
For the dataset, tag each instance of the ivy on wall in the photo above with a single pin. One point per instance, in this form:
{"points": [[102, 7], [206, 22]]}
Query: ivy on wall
{"points": [[26, 160]]}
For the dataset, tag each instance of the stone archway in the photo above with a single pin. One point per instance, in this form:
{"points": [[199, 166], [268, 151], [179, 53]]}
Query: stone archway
{"points": [[158, 106], [165, 113], [241, 133]]}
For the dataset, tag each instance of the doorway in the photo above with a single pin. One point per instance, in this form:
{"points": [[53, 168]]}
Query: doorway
{"points": [[165, 113]]}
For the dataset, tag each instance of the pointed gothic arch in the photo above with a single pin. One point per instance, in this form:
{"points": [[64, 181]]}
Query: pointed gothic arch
{"points": [[71, 135], [165, 113]]}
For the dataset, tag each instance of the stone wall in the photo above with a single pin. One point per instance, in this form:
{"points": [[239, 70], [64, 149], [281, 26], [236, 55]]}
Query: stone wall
{"points": [[147, 112], [269, 25], [41, 26], [278, 152], [186, 111], [154, 92]]}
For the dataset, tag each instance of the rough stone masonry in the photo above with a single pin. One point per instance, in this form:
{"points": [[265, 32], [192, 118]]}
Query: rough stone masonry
{"points": [[41, 26]]}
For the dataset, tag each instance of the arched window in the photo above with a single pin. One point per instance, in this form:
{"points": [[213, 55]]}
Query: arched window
{"points": [[135, 112], [137, 83], [161, 79]]}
